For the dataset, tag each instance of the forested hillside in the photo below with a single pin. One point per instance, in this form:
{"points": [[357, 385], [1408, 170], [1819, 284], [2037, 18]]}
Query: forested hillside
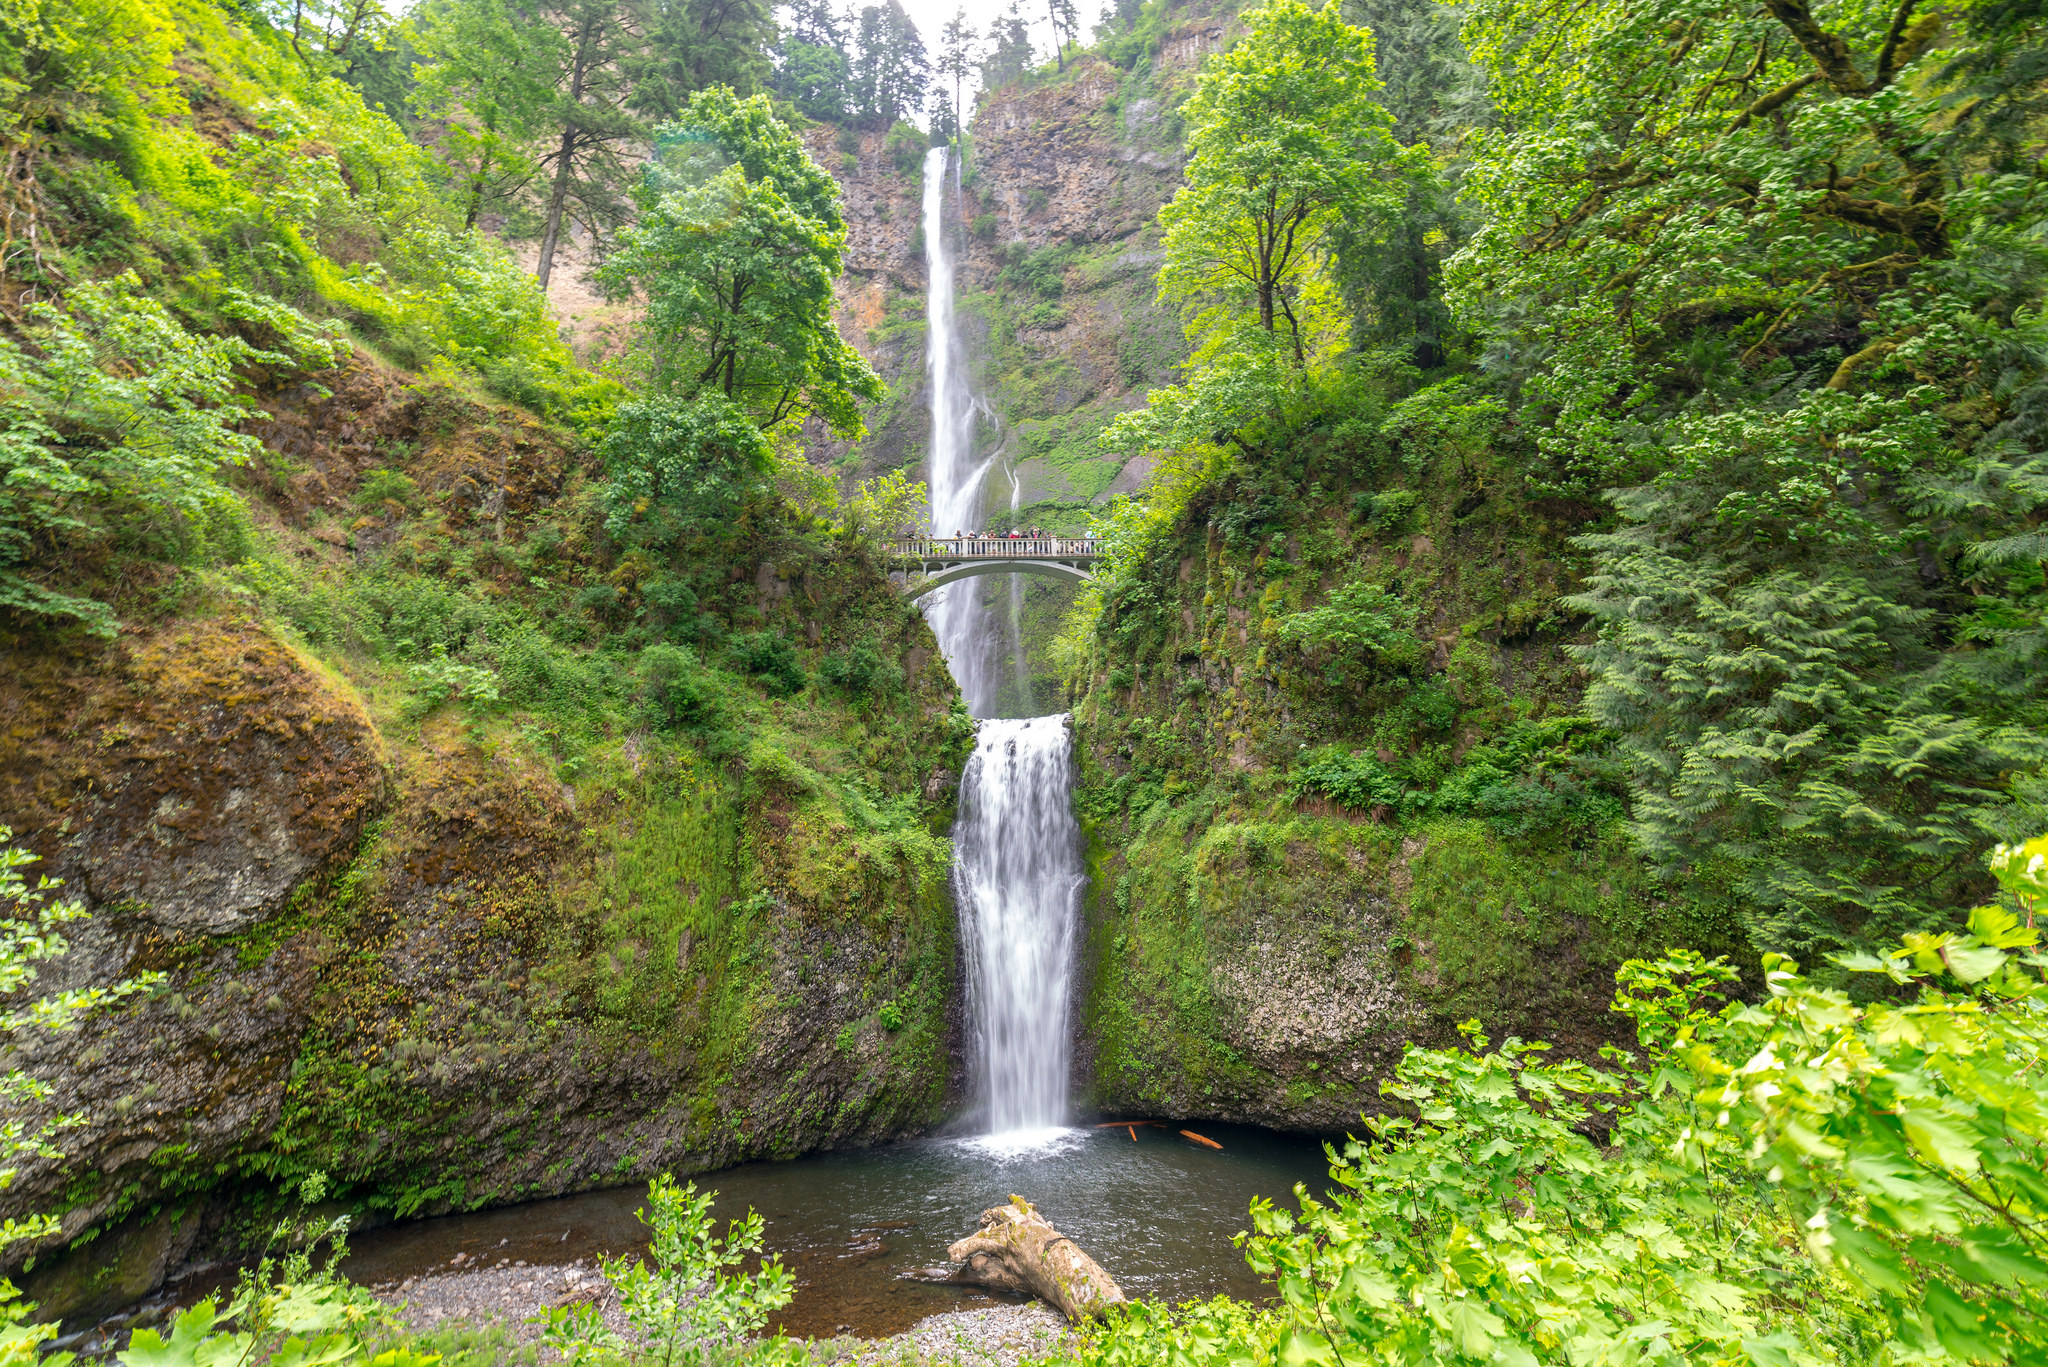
{"points": [[506, 770], [1598, 512]]}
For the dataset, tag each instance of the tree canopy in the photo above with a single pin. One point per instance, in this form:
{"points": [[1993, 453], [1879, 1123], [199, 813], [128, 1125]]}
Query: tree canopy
{"points": [[1287, 140], [736, 266]]}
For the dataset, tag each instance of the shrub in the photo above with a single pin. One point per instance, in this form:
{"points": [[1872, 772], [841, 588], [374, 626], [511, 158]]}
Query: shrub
{"points": [[686, 1304], [387, 486], [905, 147], [679, 690], [1798, 1180], [769, 657], [1357, 781], [114, 425], [859, 671], [1362, 632]]}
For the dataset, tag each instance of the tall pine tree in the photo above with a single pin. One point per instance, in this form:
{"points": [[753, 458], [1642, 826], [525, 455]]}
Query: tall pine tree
{"points": [[1008, 54], [891, 70], [814, 70], [958, 50]]}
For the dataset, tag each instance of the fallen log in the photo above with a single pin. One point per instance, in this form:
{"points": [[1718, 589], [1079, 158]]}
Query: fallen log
{"points": [[1202, 1139], [1017, 1249]]}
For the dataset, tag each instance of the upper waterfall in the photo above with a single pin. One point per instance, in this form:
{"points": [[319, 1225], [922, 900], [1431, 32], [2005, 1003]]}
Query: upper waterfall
{"points": [[955, 470]]}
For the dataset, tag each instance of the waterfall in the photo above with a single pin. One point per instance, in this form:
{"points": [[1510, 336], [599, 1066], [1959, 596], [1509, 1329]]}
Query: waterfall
{"points": [[1017, 869], [954, 474], [1017, 876]]}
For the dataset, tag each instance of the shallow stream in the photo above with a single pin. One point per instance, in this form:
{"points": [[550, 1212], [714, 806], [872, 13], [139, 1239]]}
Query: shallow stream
{"points": [[1158, 1213]]}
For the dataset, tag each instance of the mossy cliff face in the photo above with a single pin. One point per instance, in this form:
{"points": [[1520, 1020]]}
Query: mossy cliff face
{"points": [[452, 958], [1258, 951], [1066, 172], [880, 300]]}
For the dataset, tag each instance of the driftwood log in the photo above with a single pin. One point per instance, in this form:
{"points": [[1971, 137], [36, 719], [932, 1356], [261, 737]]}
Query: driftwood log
{"points": [[1017, 1249]]}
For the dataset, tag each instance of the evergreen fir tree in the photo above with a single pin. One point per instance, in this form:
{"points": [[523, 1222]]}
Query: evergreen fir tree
{"points": [[695, 44], [814, 71], [891, 71], [1008, 54], [958, 53]]}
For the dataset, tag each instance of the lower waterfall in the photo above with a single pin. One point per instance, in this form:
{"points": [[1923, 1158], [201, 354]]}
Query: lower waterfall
{"points": [[1017, 877]]}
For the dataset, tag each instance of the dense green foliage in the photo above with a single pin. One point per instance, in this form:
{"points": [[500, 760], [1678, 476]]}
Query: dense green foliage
{"points": [[1799, 1180], [1767, 282], [683, 1303], [1703, 354], [735, 262], [867, 68], [1792, 305], [272, 363]]}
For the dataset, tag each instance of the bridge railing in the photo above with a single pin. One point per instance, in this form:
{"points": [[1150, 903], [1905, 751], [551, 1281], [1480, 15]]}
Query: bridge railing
{"points": [[995, 547]]}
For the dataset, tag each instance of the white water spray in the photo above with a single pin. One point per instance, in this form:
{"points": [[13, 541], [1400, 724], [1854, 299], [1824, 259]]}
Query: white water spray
{"points": [[1017, 874]]}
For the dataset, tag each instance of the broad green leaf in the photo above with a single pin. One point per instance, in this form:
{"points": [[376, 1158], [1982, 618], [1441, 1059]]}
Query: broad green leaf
{"points": [[1999, 928], [1972, 963], [193, 1343], [1473, 1327], [2002, 1257], [1939, 1139], [318, 1352]]}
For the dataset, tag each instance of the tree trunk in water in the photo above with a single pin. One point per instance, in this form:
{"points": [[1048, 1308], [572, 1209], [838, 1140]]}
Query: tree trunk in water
{"points": [[1017, 1249]]}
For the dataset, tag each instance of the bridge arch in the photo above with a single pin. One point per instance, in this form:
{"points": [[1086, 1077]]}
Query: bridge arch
{"points": [[973, 569]]}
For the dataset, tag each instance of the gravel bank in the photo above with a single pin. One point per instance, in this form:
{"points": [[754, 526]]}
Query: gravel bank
{"points": [[513, 1293]]}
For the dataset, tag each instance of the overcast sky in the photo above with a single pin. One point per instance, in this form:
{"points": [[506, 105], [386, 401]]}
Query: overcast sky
{"points": [[930, 16]]}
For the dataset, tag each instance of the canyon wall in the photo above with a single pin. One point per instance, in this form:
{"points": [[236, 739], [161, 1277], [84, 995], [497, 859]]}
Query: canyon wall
{"points": [[453, 960]]}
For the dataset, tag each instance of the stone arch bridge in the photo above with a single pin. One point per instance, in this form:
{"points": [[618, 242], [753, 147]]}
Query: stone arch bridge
{"points": [[932, 562]]}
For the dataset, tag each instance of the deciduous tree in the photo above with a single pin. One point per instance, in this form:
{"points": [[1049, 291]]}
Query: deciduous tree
{"points": [[736, 264], [1287, 138]]}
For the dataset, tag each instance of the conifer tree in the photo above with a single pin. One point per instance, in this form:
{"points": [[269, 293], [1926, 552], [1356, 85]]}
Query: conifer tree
{"points": [[1764, 276], [959, 51], [1066, 26], [1390, 265], [545, 96], [695, 44], [891, 71], [814, 71], [1008, 53]]}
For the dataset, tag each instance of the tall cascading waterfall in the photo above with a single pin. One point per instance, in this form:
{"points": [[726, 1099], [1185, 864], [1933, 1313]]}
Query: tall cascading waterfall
{"points": [[1017, 867], [1017, 873], [955, 471]]}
